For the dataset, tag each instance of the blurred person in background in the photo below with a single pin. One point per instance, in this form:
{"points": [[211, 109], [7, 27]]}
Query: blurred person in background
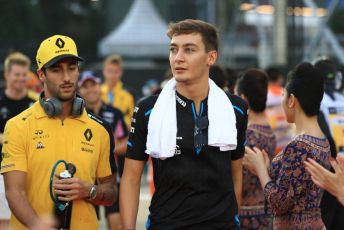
{"points": [[90, 89], [33, 84], [13, 101], [274, 111], [252, 86], [331, 121], [325, 179], [339, 81], [167, 76], [218, 75], [231, 79], [289, 191], [151, 87], [113, 92]]}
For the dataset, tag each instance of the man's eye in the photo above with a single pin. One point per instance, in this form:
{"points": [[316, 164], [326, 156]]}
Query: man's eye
{"points": [[173, 49], [189, 50], [73, 67]]}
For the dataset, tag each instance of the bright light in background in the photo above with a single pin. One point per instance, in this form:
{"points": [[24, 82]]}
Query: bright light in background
{"points": [[246, 6], [297, 11], [265, 9]]}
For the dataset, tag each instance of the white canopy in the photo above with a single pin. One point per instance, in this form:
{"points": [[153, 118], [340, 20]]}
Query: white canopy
{"points": [[142, 33]]}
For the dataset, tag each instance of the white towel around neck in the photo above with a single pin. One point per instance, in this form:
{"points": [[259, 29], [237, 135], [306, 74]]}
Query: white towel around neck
{"points": [[162, 124]]}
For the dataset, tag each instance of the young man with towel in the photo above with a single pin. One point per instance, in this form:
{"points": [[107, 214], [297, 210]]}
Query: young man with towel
{"points": [[195, 134]]}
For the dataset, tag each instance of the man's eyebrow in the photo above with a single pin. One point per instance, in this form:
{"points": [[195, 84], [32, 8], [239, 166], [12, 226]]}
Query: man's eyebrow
{"points": [[184, 45], [190, 44]]}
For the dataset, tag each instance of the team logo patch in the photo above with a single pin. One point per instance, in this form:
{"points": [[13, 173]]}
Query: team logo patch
{"points": [[177, 150], [39, 132], [59, 43], [88, 134], [180, 101], [40, 145]]}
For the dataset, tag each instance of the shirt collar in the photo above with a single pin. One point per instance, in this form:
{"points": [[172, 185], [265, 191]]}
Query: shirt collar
{"points": [[185, 103]]}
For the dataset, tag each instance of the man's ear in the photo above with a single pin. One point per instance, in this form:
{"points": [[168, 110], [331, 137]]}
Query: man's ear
{"points": [[291, 101], [41, 75], [212, 57]]}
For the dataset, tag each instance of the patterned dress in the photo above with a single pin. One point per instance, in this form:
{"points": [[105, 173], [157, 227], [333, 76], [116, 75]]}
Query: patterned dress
{"points": [[252, 213], [292, 196]]}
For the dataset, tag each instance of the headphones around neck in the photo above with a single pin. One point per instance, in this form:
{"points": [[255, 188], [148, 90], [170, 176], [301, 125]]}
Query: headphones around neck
{"points": [[53, 107]]}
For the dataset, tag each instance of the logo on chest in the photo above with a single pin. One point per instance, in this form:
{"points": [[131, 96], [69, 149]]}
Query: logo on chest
{"points": [[39, 134], [88, 134], [40, 145], [87, 146]]}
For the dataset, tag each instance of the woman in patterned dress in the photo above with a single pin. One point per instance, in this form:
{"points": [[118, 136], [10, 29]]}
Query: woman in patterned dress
{"points": [[252, 87], [289, 191]]}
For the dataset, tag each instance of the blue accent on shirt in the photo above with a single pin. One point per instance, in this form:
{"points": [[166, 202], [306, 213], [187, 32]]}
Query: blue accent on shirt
{"points": [[130, 144], [237, 108], [237, 221], [110, 97], [148, 222], [148, 112], [198, 150]]}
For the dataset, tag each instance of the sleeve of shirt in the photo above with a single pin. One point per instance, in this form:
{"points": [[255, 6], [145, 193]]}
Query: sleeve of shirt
{"points": [[280, 193], [13, 150], [240, 109], [138, 133], [106, 163]]}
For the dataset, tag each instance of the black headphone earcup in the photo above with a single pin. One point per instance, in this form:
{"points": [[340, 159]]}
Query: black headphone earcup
{"points": [[78, 106], [52, 107]]}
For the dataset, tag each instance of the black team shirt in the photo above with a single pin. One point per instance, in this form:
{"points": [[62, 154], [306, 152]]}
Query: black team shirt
{"points": [[193, 190], [10, 108]]}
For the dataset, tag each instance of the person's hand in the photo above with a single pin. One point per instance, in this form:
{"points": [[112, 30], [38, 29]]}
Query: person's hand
{"points": [[266, 159], [340, 160], [71, 189], [254, 160], [331, 182], [42, 224]]}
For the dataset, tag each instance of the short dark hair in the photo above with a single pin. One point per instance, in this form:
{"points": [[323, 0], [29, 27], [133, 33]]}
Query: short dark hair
{"points": [[328, 70], [232, 77], [207, 31], [218, 75], [306, 82], [274, 73], [253, 84]]}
